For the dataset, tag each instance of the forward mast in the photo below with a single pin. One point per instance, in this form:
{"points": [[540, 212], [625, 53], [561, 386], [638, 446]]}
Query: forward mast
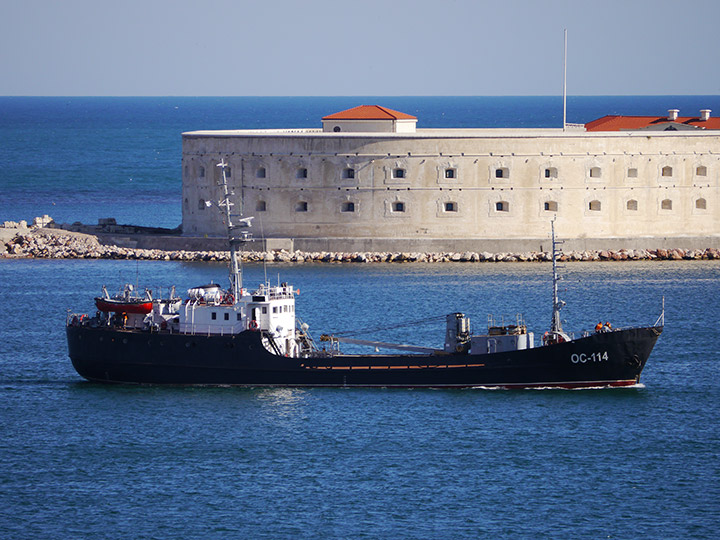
{"points": [[237, 234]]}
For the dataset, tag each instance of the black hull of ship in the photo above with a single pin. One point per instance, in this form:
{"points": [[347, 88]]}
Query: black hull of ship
{"points": [[103, 354]]}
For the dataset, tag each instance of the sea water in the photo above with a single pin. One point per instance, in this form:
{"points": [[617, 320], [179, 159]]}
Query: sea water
{"points": [[96, 461], [82, 460]]}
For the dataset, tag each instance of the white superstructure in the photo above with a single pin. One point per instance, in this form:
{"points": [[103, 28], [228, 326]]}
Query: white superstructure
{"points": [[210, 309]]}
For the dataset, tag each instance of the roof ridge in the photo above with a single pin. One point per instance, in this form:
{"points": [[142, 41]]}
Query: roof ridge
{"points": [[369, 112]]}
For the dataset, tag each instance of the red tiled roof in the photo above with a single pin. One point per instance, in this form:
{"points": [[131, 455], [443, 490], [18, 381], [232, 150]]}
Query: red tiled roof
{"points": [[369, 112], [617, 123]]}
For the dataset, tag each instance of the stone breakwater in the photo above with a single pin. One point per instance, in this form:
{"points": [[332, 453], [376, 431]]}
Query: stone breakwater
{"points": [[47, 246]]}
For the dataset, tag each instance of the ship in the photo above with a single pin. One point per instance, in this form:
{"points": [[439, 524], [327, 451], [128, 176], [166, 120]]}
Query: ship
{"points": [[252, 337]]}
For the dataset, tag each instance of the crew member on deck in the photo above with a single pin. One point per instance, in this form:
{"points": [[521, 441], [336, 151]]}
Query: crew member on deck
{"points": [[608, 327], [599, 327]]}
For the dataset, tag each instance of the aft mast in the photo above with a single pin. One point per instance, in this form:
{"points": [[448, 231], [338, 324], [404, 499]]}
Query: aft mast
{"points": [[555, 325], [236, 235]]}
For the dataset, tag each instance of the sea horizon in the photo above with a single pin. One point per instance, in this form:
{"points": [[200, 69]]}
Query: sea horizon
{"points": [[349, 95]]}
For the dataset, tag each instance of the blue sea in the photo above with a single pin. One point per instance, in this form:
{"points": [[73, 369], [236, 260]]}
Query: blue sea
{"points": [[81, 460]]}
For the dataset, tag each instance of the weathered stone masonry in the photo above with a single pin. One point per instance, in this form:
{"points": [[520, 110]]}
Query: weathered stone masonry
{"points": [[457, 185]]}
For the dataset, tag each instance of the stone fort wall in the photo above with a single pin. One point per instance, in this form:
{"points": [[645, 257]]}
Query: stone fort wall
{"points": [[458, 185]]}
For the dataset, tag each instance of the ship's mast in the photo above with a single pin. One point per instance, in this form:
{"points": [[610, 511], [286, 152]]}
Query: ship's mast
{"points": [[555, 325], [235, 262]]}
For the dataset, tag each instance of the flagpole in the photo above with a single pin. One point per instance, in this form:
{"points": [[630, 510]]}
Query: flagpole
{"points": [[565, 81]]}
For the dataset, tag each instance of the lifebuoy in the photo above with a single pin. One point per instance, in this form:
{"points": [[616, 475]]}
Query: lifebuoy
{"points": [[254, 325]]}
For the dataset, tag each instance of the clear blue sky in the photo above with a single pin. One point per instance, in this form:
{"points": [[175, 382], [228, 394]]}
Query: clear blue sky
{"points": [[358, 47]]}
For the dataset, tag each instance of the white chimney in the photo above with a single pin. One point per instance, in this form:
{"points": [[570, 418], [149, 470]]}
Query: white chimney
{"points": [[705, 114], [673, 114]]}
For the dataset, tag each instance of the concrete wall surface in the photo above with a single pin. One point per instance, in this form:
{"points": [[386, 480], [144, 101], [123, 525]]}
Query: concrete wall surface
{"points": [[425, 188]]}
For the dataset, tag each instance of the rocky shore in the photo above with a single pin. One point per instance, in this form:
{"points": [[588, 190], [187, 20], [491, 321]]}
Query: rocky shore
{"points": [[34, 244]]}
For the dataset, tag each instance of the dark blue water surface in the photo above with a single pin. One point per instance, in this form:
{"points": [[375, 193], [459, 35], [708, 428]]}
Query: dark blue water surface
{"points": [[81, 460], [80, 159]]}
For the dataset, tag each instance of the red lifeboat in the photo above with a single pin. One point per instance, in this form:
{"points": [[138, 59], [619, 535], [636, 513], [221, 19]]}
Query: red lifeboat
{"points": [[124, 305]]}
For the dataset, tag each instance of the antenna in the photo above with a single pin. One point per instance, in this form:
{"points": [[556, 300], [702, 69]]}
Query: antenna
{"points": [[264, 240], [565, 81]]}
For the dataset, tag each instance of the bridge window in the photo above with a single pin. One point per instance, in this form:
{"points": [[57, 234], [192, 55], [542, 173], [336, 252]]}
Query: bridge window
{"points": [[632, 172], [348, 173], [551, 172], [701, 170], [595, 172], [666, 204], [202, 172], [595, 206], [301, 173], [551, 206], [502, 206], [260, 206], [347, 207], [450, 173], [451, 207], [398, 206], [632, 205], [260, 173], [667, 171], [398, 173], [301, 206], [201, 204], [701, 204]]}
